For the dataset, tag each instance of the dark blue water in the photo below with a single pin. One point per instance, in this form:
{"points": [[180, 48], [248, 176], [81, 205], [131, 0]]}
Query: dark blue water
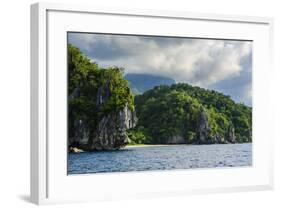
{"points": [[161, 158]]}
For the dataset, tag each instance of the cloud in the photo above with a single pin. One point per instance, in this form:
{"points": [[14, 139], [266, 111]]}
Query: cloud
{"points": [[202, 62]]}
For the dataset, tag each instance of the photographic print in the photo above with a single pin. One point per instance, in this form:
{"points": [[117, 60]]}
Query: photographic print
{"points": [[150, 103]]}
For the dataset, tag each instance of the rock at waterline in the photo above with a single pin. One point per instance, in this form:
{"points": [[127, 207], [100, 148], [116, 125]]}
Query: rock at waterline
{"points": [[75, 150]]}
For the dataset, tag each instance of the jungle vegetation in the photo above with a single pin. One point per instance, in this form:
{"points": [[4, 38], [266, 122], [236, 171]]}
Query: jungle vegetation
{"points": [[162, 112]]}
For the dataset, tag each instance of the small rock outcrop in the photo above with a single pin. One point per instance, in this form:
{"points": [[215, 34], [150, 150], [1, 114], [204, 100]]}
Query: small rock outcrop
{"points": [[204, 136], [219, 139], [231, 138], [203, 127], [75, 150]]}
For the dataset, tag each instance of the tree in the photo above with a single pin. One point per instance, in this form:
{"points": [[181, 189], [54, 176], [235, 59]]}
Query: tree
{"points": [[173, 110], [86, 82]]}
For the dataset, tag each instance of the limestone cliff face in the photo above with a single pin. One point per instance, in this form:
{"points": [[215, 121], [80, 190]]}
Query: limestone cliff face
{"points": [[231, 138], [203, 127], [109, 133], [204, 136], [111, 130]]}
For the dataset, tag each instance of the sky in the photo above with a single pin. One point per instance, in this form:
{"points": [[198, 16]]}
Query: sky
{"points": [[221, 65]]}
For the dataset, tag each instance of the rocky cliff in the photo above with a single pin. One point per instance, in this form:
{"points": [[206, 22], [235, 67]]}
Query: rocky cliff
{"points": [[204, 136], [109, 132], [203, 127], [101, 108]]}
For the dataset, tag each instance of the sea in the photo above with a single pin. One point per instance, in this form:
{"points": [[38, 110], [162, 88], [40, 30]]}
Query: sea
{"points": [[166, 157]]}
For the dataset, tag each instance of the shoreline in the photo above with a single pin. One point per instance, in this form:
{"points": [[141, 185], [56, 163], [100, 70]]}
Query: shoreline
{"points": [[76, 150], [166, 145], [154, 145]]}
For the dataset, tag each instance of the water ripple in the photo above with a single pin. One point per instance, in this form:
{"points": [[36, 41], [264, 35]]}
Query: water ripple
{"points": [[161, 158]]}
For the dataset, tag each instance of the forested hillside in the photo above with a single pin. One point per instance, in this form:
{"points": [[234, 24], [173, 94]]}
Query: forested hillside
{"points": [[186, 114], [103, 113]]}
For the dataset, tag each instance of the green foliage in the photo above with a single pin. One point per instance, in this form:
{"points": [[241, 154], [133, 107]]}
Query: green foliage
{"points": [[136, 136], [85, 80], [120, 94], [166, 111], [191, 137], [163, 112], [167, 114]]}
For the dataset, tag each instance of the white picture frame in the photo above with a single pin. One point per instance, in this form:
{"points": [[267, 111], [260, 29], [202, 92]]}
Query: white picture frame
{"points": [[49, 180]]}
